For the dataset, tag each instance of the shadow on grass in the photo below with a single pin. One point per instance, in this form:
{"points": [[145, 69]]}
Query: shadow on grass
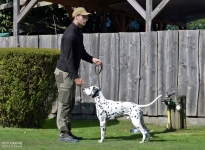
{"points": [[51, 123], [134, 137]]}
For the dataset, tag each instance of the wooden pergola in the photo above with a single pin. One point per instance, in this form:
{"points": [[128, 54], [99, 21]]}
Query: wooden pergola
{"points": [[160, 12]]}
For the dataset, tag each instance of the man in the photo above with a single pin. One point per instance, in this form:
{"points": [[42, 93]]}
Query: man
{"points": [[66, 73]]}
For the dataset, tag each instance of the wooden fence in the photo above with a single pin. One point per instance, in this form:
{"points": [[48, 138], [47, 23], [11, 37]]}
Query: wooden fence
{"points": [[138, 67]]}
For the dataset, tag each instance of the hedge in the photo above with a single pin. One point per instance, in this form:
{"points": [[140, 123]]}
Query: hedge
{"points": [[27, 86]]}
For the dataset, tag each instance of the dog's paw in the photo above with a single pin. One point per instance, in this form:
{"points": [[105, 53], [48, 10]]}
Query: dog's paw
{"points": [[141, 142], [100, 141]]}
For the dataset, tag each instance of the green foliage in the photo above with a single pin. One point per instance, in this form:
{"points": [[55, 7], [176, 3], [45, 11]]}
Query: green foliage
{"points": [[5, 21], [5, 1], [27, 86], [172, 27], [195, 25], [51, 13]]}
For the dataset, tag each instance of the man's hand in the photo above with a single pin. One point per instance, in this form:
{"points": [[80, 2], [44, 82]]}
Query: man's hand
{"points": [[79, 82], [96, 61]]}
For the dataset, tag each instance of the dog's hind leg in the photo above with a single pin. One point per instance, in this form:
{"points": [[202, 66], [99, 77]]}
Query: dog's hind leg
{"points": [[145, 129], [138, 125]]}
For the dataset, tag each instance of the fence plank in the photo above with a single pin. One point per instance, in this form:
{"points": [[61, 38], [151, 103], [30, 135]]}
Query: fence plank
{"points": [[59, 41], [167, 65], [28, 41], [129, 67], [4, 42], [11, 41], [162, 65], [124, 67], [48, 41], [152, 72], [149, 70], [201, 101], [109, 54], [188, 69], [143, 70]]}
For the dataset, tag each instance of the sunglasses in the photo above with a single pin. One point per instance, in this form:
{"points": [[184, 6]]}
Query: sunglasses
{"points": [[84, 17]]}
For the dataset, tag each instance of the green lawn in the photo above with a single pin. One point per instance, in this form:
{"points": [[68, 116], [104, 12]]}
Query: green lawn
{"points": [[118, 137]]}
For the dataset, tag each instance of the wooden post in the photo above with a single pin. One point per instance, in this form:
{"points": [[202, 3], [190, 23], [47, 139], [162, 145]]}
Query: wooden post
{"points": [[177, 118], [148, 15], [18, 17], [16, 10], [183, 112], [26, 10]]}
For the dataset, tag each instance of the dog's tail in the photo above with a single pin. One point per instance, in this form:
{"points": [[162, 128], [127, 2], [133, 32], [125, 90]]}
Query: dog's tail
{"points": [[151, 102]]}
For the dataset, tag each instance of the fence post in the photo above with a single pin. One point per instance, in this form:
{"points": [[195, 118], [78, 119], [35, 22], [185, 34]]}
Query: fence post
{"points": [[176, 112]]}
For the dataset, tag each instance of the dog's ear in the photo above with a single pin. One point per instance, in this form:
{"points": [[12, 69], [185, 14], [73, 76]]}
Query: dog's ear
{"points": [[95, 88]]}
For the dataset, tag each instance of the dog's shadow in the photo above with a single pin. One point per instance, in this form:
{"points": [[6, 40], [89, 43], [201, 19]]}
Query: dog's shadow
{"points": [[136, 137], [79, 123]]}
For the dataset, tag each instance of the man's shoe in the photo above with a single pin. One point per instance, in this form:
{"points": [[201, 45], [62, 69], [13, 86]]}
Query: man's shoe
{"points": [[75, 137], [67, 138]]}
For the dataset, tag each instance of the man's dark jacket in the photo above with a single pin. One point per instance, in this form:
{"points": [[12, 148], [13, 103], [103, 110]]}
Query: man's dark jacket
{"points": [[72, 51]]}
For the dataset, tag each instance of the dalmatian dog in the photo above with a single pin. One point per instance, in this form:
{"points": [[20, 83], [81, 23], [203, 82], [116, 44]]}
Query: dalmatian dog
{"points": [[109, 109]]}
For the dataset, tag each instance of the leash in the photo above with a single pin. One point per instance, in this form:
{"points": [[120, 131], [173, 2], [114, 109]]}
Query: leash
{"points": [[98, 70]]}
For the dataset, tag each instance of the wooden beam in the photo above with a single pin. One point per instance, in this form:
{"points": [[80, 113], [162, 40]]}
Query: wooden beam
{"points": [[148, 15], [138, 8], [26, 10], [159, 8], [116, 21], [122, 23], [26, 3], [127, 23], [16, 9], [22, 2]]}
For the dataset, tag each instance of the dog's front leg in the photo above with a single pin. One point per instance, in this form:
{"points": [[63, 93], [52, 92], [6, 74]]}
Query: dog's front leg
{"points": [[103, 129]]}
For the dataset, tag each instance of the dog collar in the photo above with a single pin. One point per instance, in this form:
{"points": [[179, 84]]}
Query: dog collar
{"points": [[96, 94]]}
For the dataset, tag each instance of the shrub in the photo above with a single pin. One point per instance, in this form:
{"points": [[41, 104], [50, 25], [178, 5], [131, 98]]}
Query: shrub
{"points": [[27, 86]]}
